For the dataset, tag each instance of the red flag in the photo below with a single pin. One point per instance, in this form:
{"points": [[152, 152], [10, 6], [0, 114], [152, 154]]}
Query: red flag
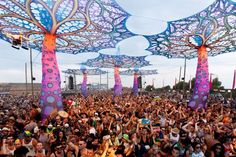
{"points": [[234, 79], [210, 83]]}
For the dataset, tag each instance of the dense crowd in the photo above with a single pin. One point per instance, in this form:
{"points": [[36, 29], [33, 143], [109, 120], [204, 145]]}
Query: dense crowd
{"points": [[125, 126]]}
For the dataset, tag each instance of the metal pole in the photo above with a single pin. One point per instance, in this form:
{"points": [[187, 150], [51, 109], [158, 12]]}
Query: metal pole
{"points": [[75, 82], [190, 83], [184, 75], [107, 81], [231, 94], [31, 71], [100, 83], [26, 84], [65, 83], [180, 73]]}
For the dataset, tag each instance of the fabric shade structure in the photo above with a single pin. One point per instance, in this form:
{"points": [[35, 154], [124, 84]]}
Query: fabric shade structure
{"points": [[208, 33], [83, 71], [67, 26], [136, 73], [117, 62]]}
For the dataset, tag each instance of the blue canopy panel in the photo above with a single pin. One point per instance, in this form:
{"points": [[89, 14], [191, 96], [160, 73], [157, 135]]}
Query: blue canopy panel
{"points": [[121, 61], [96, 71], [139, 72]]}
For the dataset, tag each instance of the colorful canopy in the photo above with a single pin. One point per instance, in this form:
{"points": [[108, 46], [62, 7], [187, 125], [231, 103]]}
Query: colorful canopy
{"points": [[210, 32], [139, 72], [214, 27], [121, 61], [82, 71], [67, 26], [80, 26]]}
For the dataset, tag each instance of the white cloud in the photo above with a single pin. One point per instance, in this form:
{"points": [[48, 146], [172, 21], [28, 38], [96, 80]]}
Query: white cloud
{"points": [[134, 46], [145, 26], [164, 10]]}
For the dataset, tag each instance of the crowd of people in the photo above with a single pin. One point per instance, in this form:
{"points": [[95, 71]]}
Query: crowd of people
{"points": [[126, 126]]}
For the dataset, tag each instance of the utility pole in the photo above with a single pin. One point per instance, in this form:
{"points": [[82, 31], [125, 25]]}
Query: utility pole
{"points": [[75, 82], [180, 69], [184, 91], [100, 82], [26, 84], [190, 83], [107, 81], [65, 83], [31, 71]]}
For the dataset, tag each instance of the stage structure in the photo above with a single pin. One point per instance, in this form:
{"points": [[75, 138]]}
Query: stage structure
{"points": [[84, 71], [117, 62], [209, 33], [137, 72], [67, 26]]}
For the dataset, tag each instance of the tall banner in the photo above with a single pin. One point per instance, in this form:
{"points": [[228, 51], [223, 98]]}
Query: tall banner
{"points": [[118, 85], [210, 83], [233, 86], [135, 85], [84, 85]]}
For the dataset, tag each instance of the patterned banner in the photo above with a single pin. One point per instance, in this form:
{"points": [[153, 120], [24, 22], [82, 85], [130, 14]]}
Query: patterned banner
{"points": [[84, 85], [118, 85], [210, 84], [234, 79], [135, 85]]}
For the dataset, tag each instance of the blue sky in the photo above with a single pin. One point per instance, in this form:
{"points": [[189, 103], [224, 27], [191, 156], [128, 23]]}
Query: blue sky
{"points": [[148, 17]]}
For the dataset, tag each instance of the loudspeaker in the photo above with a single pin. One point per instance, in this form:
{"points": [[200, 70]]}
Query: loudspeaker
{"points": [[139, 82], [71, 82]]}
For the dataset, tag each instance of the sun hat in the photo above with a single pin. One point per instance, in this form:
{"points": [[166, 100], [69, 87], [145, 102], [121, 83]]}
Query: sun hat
{"points": [[126, 137]]}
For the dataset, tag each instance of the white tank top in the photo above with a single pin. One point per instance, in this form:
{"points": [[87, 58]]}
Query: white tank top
{"points": [[30, 148]]}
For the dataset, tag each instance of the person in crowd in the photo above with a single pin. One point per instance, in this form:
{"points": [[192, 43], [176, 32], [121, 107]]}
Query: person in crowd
{"points": [[40, 151]]}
